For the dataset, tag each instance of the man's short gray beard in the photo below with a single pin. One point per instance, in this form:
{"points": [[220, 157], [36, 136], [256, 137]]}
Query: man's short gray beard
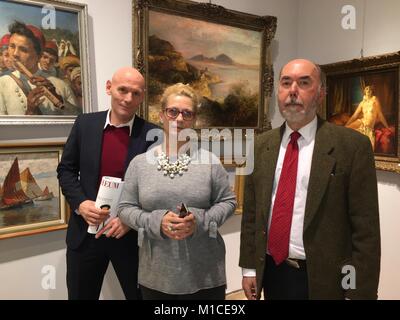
{"points": [[293, 116]]}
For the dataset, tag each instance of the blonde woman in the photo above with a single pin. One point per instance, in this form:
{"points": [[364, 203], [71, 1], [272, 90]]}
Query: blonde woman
{"points": [[180, 258]]}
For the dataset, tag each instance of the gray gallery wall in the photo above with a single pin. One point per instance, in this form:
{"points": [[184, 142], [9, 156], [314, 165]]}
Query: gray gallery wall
{"points": [[306, 28]]}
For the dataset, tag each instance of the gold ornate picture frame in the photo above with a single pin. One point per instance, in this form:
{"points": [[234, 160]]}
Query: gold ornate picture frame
{"points": [[236, 181], [223, 54], [363, 94], [31, 201]]}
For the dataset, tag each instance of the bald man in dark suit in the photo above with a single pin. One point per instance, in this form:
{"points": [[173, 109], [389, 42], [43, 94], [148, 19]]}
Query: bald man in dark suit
{"points": [[102, 144]]}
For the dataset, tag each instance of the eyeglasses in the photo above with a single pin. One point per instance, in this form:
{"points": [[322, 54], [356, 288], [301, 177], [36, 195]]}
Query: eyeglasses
{"points": [[173, 113]]}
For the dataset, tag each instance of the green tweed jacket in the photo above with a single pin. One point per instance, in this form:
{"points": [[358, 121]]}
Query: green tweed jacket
{"points": [[341, 222]]}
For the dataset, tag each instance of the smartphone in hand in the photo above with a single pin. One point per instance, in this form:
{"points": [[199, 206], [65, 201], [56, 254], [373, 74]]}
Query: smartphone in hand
{"points": [[184, 211]]}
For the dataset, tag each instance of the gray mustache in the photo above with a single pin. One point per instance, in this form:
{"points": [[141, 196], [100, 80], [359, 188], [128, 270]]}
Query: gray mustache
{"points": [[293, 102]]}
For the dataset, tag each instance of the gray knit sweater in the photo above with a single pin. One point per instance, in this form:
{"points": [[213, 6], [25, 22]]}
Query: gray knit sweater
{"points": [[178, 266]]}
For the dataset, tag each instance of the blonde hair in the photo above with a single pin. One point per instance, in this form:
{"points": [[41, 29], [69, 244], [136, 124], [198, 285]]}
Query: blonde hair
{"points": [[371, 88], [179, 89]]}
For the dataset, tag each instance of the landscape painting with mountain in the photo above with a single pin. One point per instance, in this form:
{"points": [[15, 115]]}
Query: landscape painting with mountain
{"points": [[221, 62], [29, 190]]}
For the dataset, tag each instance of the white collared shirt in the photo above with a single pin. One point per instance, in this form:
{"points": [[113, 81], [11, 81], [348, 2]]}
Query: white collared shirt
{"points": [[128, 124], [306, 147]]}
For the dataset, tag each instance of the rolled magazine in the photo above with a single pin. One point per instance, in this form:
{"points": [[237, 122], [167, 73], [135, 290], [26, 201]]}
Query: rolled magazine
{"points": [[107, 198]]}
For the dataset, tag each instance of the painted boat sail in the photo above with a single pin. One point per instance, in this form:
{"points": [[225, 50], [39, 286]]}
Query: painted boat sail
{"points": [[13, 195], [29, 185], [46, 195]]}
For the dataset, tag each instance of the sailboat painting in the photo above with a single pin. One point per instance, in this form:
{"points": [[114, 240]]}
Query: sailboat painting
{"points": [[30, 196]]}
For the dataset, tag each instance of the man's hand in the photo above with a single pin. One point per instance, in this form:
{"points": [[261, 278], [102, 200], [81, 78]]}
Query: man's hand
{"points": [[92, 215], [34, 99], [116, 229], [43, 82], [249, 285], [178, 228]]}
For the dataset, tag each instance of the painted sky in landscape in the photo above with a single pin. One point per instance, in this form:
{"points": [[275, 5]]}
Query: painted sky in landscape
{"points": [[32, 14], [192, 37], [42, 166]]}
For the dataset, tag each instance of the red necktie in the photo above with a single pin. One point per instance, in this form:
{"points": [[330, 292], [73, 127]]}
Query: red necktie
{"points": [[279, 231]]}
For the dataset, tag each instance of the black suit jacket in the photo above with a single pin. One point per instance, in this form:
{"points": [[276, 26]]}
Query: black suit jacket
{"points": [[78, 171]]}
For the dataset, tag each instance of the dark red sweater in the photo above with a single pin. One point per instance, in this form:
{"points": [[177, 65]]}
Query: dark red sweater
{"points": [[114, 152]]}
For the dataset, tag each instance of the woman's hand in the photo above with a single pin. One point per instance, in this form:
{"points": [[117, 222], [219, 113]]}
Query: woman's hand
{"points": [[178, 228]]}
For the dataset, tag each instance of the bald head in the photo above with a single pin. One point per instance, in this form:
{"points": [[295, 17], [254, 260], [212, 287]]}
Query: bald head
{"points": [[304, 63], [128, 73], [126, 89]]}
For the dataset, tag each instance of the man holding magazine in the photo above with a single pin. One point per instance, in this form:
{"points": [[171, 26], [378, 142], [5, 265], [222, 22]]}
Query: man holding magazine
{"points": [[102, 144]]}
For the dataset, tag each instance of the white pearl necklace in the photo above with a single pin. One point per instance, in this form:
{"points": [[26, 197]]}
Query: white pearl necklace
{"points": [[171, 169]]}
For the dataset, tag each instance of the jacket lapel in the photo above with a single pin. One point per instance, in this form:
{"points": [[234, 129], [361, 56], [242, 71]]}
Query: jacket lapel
{"points": [[268, 160], [321, 169], [94, 128], [97, 142], [137, 143]]}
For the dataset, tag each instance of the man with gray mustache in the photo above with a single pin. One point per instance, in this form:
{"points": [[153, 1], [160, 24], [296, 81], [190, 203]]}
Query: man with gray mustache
{"points": [[310, 226]]}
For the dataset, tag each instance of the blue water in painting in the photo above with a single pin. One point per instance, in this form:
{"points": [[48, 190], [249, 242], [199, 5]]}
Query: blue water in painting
{"points": [[230, 75]]}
